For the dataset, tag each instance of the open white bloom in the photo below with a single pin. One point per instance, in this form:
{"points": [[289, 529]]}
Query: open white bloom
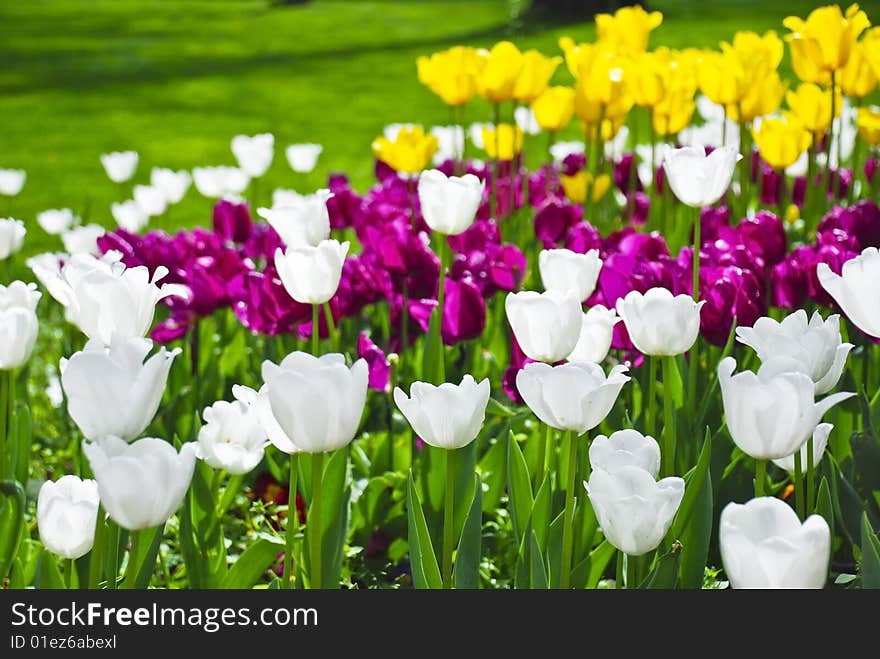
{"points": [[634, 510], [311, 274], [855, 289], [562, 150], [232, 438], [770, 416], [47, 269], [546, 325], [303, 157], [659, 323], [565, 271], [143, 483], [120, 165], [151, 199], [312, 404], [217, 182], [67, 512], [115, 391], [83, 240], [597, 331], [625, 448], [286, 197], [820, 442], [254, 154], [18, 323], [12, 181], [172, 184], [449, 203], [525, 119], [12, 234], [697, 179], [450, 143], [574, 396], [56, 220], [765, 545], [299, 221], [813, 347], [129, 215], [449, 416]]}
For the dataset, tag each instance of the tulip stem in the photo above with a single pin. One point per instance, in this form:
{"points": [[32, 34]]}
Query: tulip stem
{"points": [[331, 327], [631, 578], [618, 571], [315, 330], [760, 477], [798, 486], [67, 572], [96, 559], [315, 518], [811, 475], [568, 522], [541, 463], [651, 403], [496, 134], [441, 298], [698, 243], [292, 522], [828, 183], [668, 457], [131, 569], [448, 519], [5, 395], [113, 580]]}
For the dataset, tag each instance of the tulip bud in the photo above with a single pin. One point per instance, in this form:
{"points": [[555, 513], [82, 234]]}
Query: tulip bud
{"points": [[129, 215], [301, 221], [67, 511], [820, 441], [254, 154], [232, 438], [565, 271], [56, 221], [303, 157], [12, 181], [12, 234], [597, 331], [172, 184], [855, 289], [765, 545], [625, 448], [449, 203], [216, 182], [659, 323], [120, 165], [151, 200], [83, 239], [697, 179], [546, 325], [311, 274], [18, 323]]}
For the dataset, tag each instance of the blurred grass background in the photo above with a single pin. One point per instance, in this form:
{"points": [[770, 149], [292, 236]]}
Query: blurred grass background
{"points": [[176, 80]]}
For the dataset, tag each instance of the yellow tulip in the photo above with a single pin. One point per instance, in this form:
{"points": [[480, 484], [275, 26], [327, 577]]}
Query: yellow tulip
{"points": [[868, 121], [758, 54], [781, 140], [674, 112], [722, 77], [554, 108], [812, 106], [601, 90], [871, 49], [648, 81], [451, 74], [628, 29], [580, 183], [823, 43], [857, 79], [410, 152], [497, 79], [763, 97], [502, 142], [610, 128], [537, 69], [792, 213]]}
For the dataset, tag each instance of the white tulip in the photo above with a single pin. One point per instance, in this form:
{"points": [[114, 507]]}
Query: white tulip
{"points": [[311, 274], [855, 289], [312, 404], [562, 150], [449, 416], [83, 240], [659, 323], [18, 323], [820, 441], [764, 545], [56, 220], [47, 269], [172, 184], [449, 203], [697, 179], [525, 119], [625, 448], [634, 510], [546, 325], [217, 182], [770, 416], [475, 133], [114, 392], [232, 438], [302, 221], [616, 146], [140, 484], [286, 197], [67, 512], [450, 143], [597, 331], [574, 396], [565, 271], [303, 157], [151, 199], [120, 165], [645, 170], [129, 215], [12, 234], [254, 154], [12, 181], [812, 348]]}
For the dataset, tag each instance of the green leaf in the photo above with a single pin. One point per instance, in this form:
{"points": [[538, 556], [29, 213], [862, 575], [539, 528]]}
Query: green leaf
{"points": [[538, 570], [426, 572], [599, 559], [467, 558], [870, 555], [233, 355], [519, 487], [432, 357], [848, 506], [148, 561], [494, 408], [824, 505], [252, 564], [334, 505], [21, 430], [12, 507], [493, 472], [674, 386], [694, 480], [541, 511], [665, 572], [696, 538], [48, 575]]}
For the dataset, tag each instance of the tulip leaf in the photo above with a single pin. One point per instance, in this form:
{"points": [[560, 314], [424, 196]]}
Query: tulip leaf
{"points": [[541, 513], [22, 432], [148, 561], [334, 506], [12, 507], [824, 505], [599, 559], [519, 488], [432, 357], [465, 468], [493, 472], [252, 564], [695, 539], [188, 547], [675, 386], [494, 408], [665, 572], [848, 507], [467, 558], [870, 547], [48, 575], [694, 480], [538, 570], [233, 355], [425, 570]]}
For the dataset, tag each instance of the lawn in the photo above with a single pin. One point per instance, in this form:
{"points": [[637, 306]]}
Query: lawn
{"points": [[176, 80]]}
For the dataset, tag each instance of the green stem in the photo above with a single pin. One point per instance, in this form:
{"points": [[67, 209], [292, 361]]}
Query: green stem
{"points": [[113, 580], [541, 462], [798, 486], [493, 197], [760, 477], [631, 567], [67, 572], [448, 519], [668, 457], [5, 378], [651, 403], [96, 558], [568, 522], [315, 330], [292, 522], [698, 243], [133, 556], [827, 184], [441, 299], [331, 328], [811, 476], [315, 518], [618, 571]]}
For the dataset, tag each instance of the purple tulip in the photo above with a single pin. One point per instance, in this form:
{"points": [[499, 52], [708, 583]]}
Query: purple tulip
{"points": [[861, 221], [582, 237], [730, 292], [464, 312], [379, 368], [554, 218], [232, 222], [764, 236], [344, 207], [788, 284]]}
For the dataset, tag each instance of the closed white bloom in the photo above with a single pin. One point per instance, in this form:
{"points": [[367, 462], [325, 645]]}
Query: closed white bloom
{"points": [[285, 197], [546, 325], [856, 290], [120, 165], [475, 133], [143, 483], [562, 150], [56, 220], [217, 182], [312, 404], [172, 184], [574, 396], [616, 146], [697, 179], [12, 181], [634, 510], [311, 274], [770, 416], [115, 391], [525, 119], [449, 203], [449, 416], [820, 442], [300, 221], [813, 347], [47, 269], [129, 215], [67, 512], [303, 157], [83, 240], [232, 438], [151, 199], [450, 143], [254, 154], [765, 545], [659, 323], [597, 331], [18, 323], [565, 271], [625, 448], [12, 234]]}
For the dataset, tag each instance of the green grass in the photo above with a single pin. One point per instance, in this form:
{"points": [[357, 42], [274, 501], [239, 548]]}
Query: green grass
{"points": [[176, 80]]}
